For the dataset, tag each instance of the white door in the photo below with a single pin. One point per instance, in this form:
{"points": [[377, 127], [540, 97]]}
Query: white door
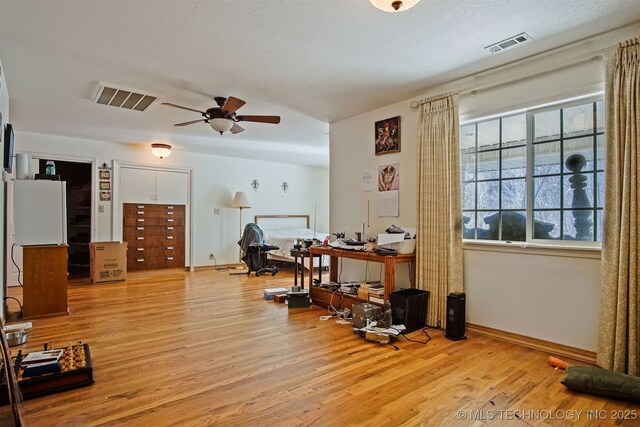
{"points": [[172, 187], [137, 185]]}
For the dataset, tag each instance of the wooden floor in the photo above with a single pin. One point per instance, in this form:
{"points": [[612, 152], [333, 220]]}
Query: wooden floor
{"points": [[204, 348]]}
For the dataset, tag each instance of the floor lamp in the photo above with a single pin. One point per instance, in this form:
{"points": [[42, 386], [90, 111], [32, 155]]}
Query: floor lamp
{"points": [[240, 201]]}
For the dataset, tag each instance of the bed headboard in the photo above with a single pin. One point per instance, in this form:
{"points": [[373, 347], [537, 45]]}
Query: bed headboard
{"points": [[274, 222]]}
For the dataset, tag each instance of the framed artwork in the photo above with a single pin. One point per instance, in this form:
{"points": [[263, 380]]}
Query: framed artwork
{"points": [[105, 196], [105, 185], [388, 136], [105, 175]]}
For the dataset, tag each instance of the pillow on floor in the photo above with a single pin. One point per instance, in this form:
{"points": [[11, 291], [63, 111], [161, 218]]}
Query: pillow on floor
{"points": [[598, 381]]}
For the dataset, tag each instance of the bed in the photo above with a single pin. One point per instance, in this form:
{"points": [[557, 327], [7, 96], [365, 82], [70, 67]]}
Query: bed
{"points": [[283, 230]]}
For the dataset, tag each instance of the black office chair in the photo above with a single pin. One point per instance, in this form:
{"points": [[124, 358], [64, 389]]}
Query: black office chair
{"points": [[255, 251]]}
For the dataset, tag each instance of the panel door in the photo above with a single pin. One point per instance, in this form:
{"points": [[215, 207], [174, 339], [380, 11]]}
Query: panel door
{"points": [[172, 187], [137, 185]]}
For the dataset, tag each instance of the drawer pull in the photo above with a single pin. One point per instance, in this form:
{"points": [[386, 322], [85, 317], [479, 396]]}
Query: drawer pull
{"points": [[140, 206], [170, 237], [169, 248], [169, 213], [169, 228], [139, 238], [169, 207], [140, 259], [139, 249], [169, 258], [140, 212], [169, 219], [140, 228], [140, 219]]}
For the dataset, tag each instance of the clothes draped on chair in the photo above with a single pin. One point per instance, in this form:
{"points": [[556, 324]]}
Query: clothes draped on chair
{"points": [[619, 337], [254, 250], [439, 215]]}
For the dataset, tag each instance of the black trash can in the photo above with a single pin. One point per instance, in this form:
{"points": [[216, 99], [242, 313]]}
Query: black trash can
{"points": [[409, 308]]}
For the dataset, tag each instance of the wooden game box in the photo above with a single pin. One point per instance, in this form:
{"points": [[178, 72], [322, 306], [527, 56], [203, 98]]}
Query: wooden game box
{"points": [[68, 378]]}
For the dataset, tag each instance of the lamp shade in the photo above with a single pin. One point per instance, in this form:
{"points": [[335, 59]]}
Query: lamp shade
{"points": [[221, 125], [240, 200], [161, 150], [394, 5]]}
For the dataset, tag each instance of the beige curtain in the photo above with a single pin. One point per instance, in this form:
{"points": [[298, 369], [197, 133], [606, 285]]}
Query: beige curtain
{"points": [[439, 215], [619, 338]]}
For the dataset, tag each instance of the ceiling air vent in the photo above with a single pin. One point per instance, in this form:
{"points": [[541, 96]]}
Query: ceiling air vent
{"points": [[507, 43], [118, 96]]}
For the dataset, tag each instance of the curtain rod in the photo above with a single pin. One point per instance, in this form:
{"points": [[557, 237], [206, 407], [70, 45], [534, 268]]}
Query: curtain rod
{"points": [[416, 104]]}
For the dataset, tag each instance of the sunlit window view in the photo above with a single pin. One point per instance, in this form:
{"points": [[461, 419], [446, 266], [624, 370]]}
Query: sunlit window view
{"points": [[562, 196]]}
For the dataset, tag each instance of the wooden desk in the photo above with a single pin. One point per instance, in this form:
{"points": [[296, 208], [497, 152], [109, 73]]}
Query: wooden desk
{"points": [[299, 268], [45, 280], [388, 261]]}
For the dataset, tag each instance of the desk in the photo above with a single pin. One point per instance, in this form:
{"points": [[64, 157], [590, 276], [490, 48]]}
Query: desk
{"points": [[299, 268], [388, 261]]}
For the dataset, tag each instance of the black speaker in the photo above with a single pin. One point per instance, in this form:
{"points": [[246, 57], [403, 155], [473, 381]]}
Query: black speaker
{"points": [[456, 316]]}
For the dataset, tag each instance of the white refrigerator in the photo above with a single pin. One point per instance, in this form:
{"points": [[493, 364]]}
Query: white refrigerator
{"points": [[39, 212]]}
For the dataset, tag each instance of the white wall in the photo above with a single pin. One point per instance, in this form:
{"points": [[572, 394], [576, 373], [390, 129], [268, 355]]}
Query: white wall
{"points": [[547, 294], [216, 179], [4, 109]]}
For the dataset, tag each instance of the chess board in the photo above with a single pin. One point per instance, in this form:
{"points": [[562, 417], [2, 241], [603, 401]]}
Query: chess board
{"points": [[76, 370]]}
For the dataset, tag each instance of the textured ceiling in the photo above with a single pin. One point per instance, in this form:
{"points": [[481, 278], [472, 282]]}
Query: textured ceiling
{"points": [[310, 61]]}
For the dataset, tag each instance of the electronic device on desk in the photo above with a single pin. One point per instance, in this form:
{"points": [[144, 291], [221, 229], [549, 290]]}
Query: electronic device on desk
{"points": [[52, 370]]}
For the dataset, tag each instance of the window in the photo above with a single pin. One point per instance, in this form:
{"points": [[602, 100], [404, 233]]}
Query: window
{"points": [[536, 175]]}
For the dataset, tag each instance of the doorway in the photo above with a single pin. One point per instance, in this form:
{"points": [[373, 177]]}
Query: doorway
{"points": [[77, 175]]}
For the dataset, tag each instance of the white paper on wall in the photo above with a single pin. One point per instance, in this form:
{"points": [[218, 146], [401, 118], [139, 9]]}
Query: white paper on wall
{"points": [[367, 181], [388, 203]]}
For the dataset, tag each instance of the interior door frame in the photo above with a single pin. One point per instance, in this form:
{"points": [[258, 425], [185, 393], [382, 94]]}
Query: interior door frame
{"points": [[116, 211]]}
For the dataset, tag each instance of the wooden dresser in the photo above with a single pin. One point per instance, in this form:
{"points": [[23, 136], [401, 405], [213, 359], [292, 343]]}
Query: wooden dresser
{"points": [[155, 234]]}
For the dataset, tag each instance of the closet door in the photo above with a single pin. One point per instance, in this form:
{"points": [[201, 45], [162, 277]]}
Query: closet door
{"points": [[172, 187], [137, 185]]}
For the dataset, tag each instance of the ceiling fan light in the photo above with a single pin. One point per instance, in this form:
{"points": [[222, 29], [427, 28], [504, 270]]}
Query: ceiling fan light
{"points": [[221, 125], [394, 5], [161, 150]]}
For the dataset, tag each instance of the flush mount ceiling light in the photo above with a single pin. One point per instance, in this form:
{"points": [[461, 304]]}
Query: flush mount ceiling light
{"points": [[394, 5], [161, 150]]}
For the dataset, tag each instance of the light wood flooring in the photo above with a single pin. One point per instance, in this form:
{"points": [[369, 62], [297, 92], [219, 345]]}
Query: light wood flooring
{"points": [[205, 348]]}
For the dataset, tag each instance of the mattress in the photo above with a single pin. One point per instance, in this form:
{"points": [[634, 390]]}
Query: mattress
{"points": [[285, 239]]}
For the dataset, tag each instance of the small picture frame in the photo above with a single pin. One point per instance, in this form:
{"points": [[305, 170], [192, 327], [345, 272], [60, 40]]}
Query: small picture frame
{"points": [[105, 175], [387, 136], [105, 196], [105, 185]]}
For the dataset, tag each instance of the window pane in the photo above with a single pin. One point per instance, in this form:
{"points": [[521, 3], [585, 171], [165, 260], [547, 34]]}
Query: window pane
{"points": [[488, 225], [578, 199], [546, 158], [578, 120], [578, 225], [468, 167], [546, 125], [489, 135], [546, 192], [600, 190], [469, 225], [600, 152], [514, 162], [514, 226], [514, 130], [580, 146], [488, 165], [468, 137], [488, 195], [469, 196], [546, 225], [514, 194], [600, 221], [600, 122]]}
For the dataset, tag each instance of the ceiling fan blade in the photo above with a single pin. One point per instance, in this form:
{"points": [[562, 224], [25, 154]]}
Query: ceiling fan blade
{"points": [[261, 119], [236, 128], [191, 122], [180, 106], [232, 104]]}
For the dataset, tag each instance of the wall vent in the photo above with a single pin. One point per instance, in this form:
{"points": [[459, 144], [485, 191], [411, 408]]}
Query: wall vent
{"points": [[118, 96], [507, 43]]}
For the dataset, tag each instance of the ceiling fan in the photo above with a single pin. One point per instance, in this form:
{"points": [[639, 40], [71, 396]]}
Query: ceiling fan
{"points": [[223, 117]]}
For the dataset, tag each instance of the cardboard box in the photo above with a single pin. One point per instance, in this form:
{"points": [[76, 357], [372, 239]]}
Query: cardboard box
{"points": [[108, 261]]}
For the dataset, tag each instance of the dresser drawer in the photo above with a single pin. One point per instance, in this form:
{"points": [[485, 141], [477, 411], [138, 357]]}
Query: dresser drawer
{"points": [[154, 262], [144, 251], [152, 230]]}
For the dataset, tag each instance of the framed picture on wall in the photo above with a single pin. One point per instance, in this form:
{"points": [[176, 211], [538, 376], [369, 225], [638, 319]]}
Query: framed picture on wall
{"points": [[388, 136], [105, 196], [105, 186], [105, 175]]}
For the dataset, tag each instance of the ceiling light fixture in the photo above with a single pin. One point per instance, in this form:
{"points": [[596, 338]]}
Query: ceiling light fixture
{"points": [[161, 150], [221, 125], [394, 5]]}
